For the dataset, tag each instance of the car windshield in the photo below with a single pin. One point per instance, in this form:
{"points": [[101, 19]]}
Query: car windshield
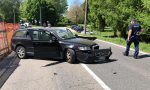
{"points": [[65, 34]]}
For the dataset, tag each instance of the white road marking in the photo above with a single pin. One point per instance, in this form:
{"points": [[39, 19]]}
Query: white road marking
{"points": [[104, 86], [121, 46]]}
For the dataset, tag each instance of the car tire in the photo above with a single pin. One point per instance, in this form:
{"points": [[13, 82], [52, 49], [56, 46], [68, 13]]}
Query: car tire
{"points": [[21, 52], [70, 56]]}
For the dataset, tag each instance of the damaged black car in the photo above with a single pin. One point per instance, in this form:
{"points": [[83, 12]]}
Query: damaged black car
{"points": [[57, 43]]}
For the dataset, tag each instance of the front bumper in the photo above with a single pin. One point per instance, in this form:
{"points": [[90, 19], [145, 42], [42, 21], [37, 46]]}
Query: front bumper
{"points": [[93, 56]]}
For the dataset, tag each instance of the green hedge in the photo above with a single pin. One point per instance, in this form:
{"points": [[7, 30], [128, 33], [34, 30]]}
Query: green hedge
{"points": [[145, 38]]}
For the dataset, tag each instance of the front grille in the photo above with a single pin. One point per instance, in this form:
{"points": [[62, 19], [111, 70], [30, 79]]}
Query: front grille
{"points": [[103, 52]]}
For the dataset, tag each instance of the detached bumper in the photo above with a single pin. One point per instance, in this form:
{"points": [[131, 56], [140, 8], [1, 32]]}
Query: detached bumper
{"points": [[94, 56]]}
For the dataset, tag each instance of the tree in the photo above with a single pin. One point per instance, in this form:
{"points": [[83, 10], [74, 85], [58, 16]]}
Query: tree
{"points": [[118, 13], [97, 13], [60, 5], [9, 9], [76, 14], [144, 16], [50, 12]]}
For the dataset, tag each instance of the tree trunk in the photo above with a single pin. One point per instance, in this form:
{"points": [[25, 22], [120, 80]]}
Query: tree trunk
{"points": [[102, 23], [115, 32], [123, 33]]}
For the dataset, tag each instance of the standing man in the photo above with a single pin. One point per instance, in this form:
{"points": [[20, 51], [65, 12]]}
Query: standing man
{"points": [[133, 36]]}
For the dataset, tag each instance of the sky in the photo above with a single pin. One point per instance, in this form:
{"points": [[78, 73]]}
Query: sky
{"points": [[71, 2]]}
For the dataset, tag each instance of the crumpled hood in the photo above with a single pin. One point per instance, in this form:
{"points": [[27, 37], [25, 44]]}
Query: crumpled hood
{"points": [[81, 41]]}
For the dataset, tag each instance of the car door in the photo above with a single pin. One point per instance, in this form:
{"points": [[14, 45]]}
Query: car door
{"points": [[43, 44], [22, 37]]}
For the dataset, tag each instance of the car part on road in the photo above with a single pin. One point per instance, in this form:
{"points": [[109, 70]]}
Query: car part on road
{"points": [[21, 52]]}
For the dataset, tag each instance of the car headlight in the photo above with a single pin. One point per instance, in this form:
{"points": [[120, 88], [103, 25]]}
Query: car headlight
{"points": [[84, 48]]}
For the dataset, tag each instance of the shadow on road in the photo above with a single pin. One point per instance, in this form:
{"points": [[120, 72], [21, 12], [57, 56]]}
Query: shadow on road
{"points": [[7, 67], [58, 61], [107, 61], [62, 61], [104, 61], [144, 56], [54, 63], [43, 58]]}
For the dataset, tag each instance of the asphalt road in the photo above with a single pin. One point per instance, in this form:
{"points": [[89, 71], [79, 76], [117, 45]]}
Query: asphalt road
{"points": [[37, 74], [121, 73]]}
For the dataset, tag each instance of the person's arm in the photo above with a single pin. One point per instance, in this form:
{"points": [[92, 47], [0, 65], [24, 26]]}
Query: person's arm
{"points": [[141, 30], [129, 34]]}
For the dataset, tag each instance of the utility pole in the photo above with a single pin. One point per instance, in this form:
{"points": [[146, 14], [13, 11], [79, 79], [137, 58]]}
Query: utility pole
{"points": [[40, 8], [85, 17], [40, 16], [14, 16], [14, 12]]}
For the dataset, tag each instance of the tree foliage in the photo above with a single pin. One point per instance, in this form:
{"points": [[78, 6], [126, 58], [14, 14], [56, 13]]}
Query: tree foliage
{"points": [[52, 10], [76, 14], [118, 13], [9, 9]]}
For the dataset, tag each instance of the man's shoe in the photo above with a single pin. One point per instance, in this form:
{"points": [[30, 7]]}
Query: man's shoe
{"points": [[136, 57]]}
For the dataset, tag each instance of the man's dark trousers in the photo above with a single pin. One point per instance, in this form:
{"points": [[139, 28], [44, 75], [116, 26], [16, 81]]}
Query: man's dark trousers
{"points": [[136, 45]]}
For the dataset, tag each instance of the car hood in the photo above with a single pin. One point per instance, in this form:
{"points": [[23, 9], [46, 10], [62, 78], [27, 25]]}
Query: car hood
{"points": [[81, 41]]}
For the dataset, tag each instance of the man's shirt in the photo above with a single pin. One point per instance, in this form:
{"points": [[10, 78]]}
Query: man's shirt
{"points": [[136, 28]]}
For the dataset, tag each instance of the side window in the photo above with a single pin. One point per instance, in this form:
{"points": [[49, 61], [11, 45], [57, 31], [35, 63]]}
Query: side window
{"points": [[41, 35], [35, 35], [21, 34]]}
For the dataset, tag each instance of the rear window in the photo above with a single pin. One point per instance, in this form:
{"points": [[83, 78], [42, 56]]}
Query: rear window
{"points": [[20, 34]]}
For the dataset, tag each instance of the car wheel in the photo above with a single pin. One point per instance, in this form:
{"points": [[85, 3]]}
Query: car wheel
{"points": [[21, 52], [70, 56]]}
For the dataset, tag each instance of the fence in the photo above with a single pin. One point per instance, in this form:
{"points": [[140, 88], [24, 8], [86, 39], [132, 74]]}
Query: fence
{"points": [[6, 32]]}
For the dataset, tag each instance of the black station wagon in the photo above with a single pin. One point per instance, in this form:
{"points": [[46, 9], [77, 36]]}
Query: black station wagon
{"points": [[57, 43]]}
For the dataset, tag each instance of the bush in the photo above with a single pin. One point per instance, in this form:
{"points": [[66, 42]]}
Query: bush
{"points": [[145, 38]]}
